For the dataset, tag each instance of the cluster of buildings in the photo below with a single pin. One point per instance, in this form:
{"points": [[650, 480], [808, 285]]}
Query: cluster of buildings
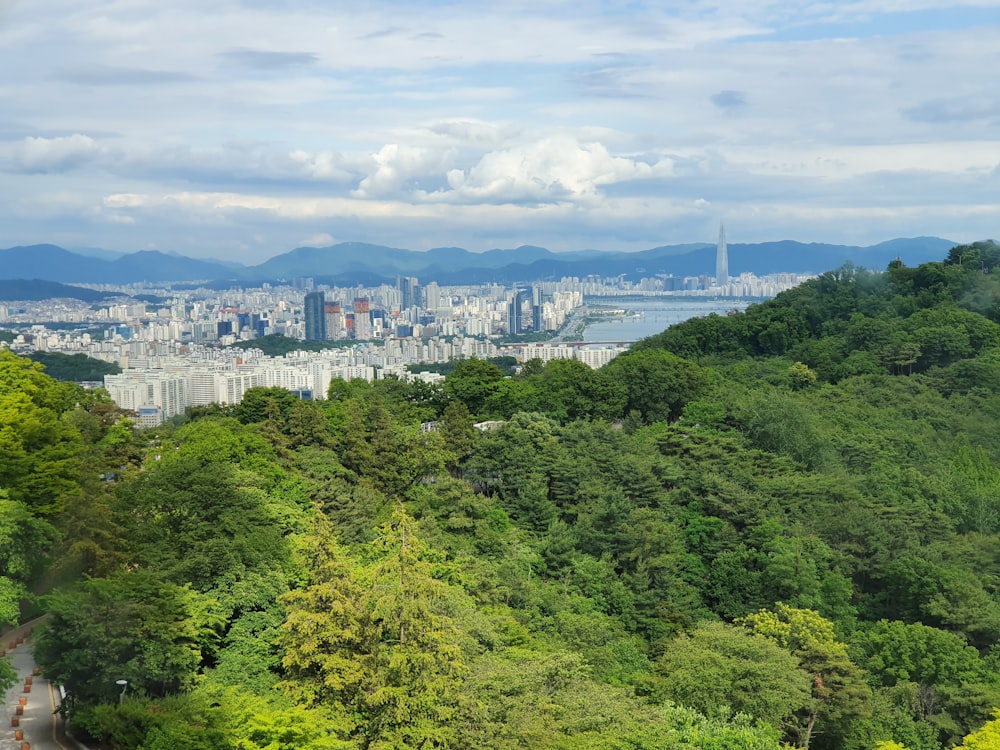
{"points": [[176, 347], [410, 311], [160, 387]]}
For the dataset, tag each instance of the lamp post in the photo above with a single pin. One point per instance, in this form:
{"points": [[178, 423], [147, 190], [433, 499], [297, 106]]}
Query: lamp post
{"points": [[123, 684]]}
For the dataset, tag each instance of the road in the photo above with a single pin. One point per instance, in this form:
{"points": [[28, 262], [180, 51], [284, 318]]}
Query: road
{"points": [[41, 725], [570, 326]]}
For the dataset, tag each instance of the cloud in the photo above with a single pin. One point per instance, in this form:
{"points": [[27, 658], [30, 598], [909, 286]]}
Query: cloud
{"points": [[50, 155], [383, 32], [954, 110], [472, 132], [728, 99], [267, 60], [553, 169], [323, 239], [108, 75], [326, 166], [568, 123], [624, 79], [396, 166]]}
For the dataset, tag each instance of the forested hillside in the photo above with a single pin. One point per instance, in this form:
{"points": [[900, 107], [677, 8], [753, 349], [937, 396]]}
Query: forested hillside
{"points": [[778, 528]]}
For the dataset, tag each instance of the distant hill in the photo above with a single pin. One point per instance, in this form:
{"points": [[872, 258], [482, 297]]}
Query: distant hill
{"points": [[53, 263], [351, 263], [74, 367], [22, 290]]}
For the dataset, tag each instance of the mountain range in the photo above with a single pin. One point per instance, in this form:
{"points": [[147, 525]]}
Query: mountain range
{"points": [[350, 263]]}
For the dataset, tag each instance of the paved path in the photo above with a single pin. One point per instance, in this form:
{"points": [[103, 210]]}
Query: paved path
{"points": [[42, 727]]}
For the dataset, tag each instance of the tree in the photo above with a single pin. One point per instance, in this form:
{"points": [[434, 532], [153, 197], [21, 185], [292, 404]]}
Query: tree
{"points": [[457, 431], [372, 642], [571, 390], [800, 376], [839, 693], [894, 652], [987, 738], [657, 382], [253, 408], [725, 668], [197, 516], [472, 383], [133, 626], [40, 455]]}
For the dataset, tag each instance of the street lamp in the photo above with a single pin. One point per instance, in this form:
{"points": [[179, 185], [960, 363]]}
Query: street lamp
{"points": [[123, 684]]}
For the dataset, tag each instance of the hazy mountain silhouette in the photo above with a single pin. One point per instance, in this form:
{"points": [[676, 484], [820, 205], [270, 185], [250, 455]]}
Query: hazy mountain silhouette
{"points": [[350, 263]]}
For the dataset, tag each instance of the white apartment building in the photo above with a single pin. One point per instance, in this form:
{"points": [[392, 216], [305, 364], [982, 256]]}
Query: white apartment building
{"points": [[140, 390]]}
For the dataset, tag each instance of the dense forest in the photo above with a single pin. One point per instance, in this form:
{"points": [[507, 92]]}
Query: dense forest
{"points": [[777, 528]]}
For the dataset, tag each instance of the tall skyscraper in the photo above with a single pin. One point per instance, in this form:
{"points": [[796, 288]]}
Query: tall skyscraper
{"points": [[722, 258], [409, 292], [514, 313], [315, 310], [536, 309]]}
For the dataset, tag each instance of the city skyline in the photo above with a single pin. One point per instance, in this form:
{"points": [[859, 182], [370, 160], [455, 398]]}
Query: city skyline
{"points": [[246, 128]]}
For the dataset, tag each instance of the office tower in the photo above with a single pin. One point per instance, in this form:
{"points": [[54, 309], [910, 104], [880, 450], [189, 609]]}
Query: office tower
{"points": [[536, 309], [514, 313], [722, 258], [409, 291], [315, 312]]}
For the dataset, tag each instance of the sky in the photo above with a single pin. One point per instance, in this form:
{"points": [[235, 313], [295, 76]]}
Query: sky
{"points": [[240, 129]]}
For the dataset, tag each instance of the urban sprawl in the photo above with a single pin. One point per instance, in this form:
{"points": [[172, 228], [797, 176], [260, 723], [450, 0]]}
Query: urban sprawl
{"points": [[179, 352]]}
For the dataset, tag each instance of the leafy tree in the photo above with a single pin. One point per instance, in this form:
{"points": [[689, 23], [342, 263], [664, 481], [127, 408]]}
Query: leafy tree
{"points": [[987, 738], [658, 383], [800, 376], [894, 652], [253, 408], [39, 453], [572, 390], [839, 693], [373, 641], [472, 383], [722, 665], [196, 516], [132, 626]]}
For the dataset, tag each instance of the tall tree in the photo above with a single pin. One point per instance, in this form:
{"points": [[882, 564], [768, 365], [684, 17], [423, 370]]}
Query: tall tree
{"points": [[373, 644], [839, 693]]}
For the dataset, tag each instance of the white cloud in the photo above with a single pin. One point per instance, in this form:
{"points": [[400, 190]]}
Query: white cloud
{"points": [[322, 165], [396, 165], [323, 239], [553, 169], [55, 154]]}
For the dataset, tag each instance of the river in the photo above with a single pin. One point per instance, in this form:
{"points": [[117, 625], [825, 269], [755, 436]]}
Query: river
{"points": [[646, 316]]}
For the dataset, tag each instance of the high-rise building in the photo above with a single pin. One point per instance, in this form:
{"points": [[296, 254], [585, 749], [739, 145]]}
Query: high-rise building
{"points": [[315, 313], [362, 319], [514, 313], [334, 320], [433, 293], [536, 308], [409, 291], [722, 258]]}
